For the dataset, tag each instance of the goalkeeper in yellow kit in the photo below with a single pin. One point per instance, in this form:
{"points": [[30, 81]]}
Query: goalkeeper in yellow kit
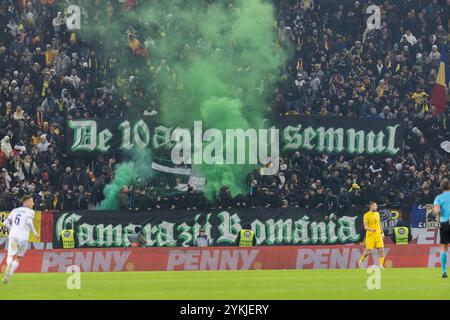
{"points": [[374, 234]]}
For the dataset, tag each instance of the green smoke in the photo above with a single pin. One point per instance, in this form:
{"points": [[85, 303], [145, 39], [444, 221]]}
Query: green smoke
{"points": [[220, 66], [125, 174]]}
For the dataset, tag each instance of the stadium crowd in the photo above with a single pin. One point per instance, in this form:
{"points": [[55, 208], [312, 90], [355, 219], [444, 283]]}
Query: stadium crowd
{"points": [[49, 75]]}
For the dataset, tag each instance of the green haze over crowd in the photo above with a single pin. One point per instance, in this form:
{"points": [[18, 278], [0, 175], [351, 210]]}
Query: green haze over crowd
{"points": [[217, 64], [125, 174]]}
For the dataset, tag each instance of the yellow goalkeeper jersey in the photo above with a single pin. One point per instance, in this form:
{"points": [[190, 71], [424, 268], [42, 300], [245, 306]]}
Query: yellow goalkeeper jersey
{"points": [[373, 221]]}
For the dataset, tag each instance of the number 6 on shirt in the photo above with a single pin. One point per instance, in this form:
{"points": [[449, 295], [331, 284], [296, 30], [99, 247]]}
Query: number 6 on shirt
{"points": [[17, 220]]}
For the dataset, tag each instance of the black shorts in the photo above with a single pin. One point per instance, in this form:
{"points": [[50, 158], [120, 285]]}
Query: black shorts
{"points": [[444, 233]]}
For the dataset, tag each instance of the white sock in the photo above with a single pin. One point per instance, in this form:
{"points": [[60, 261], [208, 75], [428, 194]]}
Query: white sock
{"points": [[13, 268]]}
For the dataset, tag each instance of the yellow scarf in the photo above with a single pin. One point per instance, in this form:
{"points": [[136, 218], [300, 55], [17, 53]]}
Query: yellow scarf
{"points": [[44, 87]]}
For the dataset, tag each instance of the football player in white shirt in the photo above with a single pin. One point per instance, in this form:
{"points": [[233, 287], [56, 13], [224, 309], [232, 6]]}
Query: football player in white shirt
{"points": [[20, 223]]}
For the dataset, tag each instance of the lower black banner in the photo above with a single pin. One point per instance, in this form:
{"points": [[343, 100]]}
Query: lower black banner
{"points": [[172, 228]]}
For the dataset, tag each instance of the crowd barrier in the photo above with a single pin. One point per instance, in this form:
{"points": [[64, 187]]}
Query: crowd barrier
{"points": [[222, 258]]}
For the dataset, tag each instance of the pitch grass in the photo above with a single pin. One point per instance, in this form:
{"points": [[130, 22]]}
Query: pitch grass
{"points": [[216, 285]]}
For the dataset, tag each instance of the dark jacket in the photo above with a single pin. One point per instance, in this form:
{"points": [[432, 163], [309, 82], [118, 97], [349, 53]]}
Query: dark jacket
{"points": [[123, 200]]}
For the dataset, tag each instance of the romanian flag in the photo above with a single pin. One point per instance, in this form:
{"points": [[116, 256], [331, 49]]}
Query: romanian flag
{"points": [[43, 222], [439, 95], [37, 224]]}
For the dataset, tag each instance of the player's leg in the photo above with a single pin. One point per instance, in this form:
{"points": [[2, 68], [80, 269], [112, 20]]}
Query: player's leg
{"points": [[22, 247], [14, 266], [443, 260], [444, 234], [379, 244], [12, 252], [381, 255], [370, 244]]}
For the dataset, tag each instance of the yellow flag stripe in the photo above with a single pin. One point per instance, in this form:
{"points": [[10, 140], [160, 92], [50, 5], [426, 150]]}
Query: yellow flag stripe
{"points": [[37, 225], [441, 75], [3, 230]]}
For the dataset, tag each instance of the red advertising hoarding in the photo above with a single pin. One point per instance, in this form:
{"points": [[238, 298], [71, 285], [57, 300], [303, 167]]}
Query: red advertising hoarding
{"points": [[221, 258]]}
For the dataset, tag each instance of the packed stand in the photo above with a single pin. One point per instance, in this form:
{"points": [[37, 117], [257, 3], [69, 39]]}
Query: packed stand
{"points": [[49, 75]]}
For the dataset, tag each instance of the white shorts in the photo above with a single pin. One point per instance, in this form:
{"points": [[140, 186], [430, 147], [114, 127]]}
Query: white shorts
{"points": [[17, 247]]}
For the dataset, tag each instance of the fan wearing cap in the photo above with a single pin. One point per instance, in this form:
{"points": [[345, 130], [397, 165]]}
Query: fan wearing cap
{"points": [[66, 177], [386, 114], [435, 55], [202, 239]]}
